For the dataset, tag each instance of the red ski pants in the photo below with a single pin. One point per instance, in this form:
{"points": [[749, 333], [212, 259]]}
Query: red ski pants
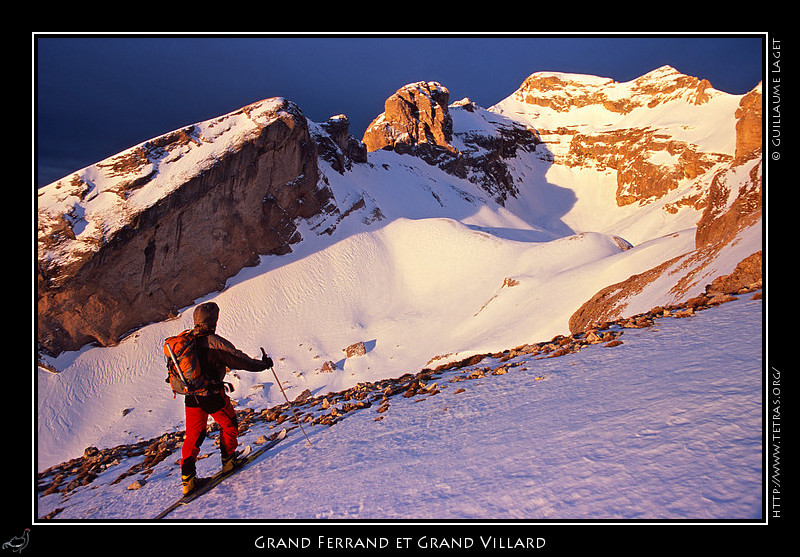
{"points": [[196, 421]]}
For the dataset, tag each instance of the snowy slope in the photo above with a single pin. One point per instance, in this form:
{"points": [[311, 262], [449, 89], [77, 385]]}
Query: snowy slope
{"points": [[415, 287], [667, 425]]}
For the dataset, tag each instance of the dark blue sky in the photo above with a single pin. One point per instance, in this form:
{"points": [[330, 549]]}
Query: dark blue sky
{"points": [[96, 96]]}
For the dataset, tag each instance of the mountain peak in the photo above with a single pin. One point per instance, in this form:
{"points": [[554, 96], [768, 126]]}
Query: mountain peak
{"points": [[666, 84], [563, 92], [661, 72], [416, 114]]}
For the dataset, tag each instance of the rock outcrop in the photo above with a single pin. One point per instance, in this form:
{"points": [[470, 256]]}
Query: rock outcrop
{"points": [[734, 202], [337, 146], [608, 305], [640, 175], [749, 122], [134, 238], [418, 121], [416, 115], [356, 349]]}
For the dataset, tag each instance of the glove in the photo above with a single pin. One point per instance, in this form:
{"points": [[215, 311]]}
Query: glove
{"points": [[266, 359]]}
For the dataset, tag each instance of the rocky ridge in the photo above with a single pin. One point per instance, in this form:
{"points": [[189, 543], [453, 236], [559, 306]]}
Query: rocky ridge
{"points": [[564, 92], [130, 240]]}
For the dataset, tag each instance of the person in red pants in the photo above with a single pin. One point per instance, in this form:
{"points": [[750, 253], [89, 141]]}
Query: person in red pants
{"points": [[217, 356]]}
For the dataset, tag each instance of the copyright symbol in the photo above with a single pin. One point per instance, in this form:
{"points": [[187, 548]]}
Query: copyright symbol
{"points": [[776, 156]]}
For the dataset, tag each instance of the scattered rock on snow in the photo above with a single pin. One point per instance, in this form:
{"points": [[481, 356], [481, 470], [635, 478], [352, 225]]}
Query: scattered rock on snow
{"points": [[354, 350], [302, 397], [328, 367]]}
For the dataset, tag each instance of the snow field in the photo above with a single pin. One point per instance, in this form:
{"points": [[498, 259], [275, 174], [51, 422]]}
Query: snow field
{"points": [[412, 290], [666, 426]]}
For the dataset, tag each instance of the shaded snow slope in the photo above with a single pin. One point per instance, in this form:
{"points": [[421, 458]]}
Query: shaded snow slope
{"points": [[667, 425]]}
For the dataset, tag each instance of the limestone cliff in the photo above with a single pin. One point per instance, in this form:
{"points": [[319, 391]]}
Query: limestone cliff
{"points": [[133, 238], [733, 208]]}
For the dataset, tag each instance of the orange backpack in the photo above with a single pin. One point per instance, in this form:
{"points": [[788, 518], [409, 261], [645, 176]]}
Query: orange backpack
{"points": [[183, 366]]}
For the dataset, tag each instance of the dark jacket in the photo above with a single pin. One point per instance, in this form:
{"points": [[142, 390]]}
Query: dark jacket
{"points": [[217, 356]]}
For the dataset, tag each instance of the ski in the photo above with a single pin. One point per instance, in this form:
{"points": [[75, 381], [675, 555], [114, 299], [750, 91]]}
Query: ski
{"points": [[204, 485]]}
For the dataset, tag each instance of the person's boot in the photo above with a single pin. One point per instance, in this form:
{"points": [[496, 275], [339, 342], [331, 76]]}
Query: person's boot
{"points": [[231, 461], [188, 476], [189, 483]]}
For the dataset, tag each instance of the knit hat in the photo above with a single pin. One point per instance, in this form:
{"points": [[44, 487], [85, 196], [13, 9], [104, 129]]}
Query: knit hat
{"points": [[205, 316]]}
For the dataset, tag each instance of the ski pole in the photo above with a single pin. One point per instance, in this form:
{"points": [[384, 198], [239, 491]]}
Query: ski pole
{"points": [[287, 400]]}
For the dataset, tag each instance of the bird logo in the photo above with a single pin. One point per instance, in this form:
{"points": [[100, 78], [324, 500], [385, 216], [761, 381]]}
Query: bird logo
{"points": [[18, 543]]}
